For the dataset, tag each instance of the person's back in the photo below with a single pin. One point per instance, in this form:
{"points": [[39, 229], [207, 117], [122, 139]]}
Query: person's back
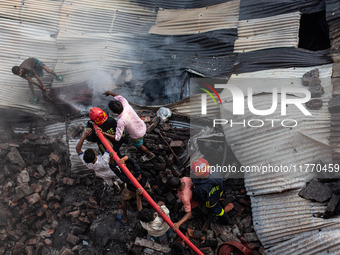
{"points": [[155, 226], [207, 191], [186, 195], [129, 120], [29, 68], [135, 170]]}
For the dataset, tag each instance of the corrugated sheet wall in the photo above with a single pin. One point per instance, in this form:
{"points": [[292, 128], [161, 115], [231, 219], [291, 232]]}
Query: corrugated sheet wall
{"points": [[86, 39], [282, 219]]}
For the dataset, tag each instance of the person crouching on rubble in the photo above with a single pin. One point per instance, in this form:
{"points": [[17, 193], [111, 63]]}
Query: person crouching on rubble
{"points": [[184, 189], [158, 230], [129, 120], [107, 126], [30, 68], [98, 163], [129, 190], [208, 191]]}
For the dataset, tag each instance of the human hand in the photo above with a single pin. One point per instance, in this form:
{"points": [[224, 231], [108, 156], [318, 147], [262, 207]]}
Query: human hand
{"points": [[139, 191], [160, 203], [100, 130], [87, 132], [43, 88], [121, 161], [107, 93], [176, 226]]}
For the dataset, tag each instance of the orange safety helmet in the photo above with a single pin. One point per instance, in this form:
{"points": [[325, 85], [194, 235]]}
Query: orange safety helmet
{"points": [[97, 115], [200, 167]]}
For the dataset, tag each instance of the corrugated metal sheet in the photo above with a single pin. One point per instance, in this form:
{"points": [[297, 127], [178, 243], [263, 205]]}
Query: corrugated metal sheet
{"points": [[178, 4], [276, 145], [210, 44], [284, 222], [271, 32], [279, 58], [75, 39], [333, 20], [288, 224], [199, 20], [250, 9]]}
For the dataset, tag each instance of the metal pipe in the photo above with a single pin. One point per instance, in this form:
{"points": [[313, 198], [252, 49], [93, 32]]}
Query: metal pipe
{"points": [[145, 194]]}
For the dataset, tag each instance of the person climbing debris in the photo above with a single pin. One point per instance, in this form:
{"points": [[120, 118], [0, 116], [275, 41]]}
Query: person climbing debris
{"points": [[158, 230], [33, 67], [129, 120], [129, 190], [184, 188], [98, 163], [208, 191], [107, 127]]}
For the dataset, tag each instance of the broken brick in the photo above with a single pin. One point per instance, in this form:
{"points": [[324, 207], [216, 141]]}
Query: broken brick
{"points": [[32, 199], [55, 157], [41, 170], [23, 177], [32, 241], [42, 209], [51, 171], [74, 214], [72, 239], [47, 233], [56, 206], [29, 250], [176, 144], [18, 248], [14, 157], [226, 237], [84, 219], [159, 166], [68, 181], [66, 251], [48, 242], [36, 187], [251, 237]]}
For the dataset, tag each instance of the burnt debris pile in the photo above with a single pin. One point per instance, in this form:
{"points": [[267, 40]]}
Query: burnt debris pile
{"points": [[47, 209]]}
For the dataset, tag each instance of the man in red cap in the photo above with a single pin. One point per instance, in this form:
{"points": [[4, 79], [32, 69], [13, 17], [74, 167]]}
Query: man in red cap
{"points": [[208, 191], [106, 124]]}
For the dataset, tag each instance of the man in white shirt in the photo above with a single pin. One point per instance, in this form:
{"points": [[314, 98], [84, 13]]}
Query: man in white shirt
{"points": [[158, 229], [98, 163]]}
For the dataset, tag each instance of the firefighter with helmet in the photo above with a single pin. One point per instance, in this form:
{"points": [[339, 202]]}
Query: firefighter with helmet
{"points": [[208, 191], [107, 125]]}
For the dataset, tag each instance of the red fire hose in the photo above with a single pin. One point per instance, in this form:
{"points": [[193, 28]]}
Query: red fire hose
{"points": [[145, 194]]}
